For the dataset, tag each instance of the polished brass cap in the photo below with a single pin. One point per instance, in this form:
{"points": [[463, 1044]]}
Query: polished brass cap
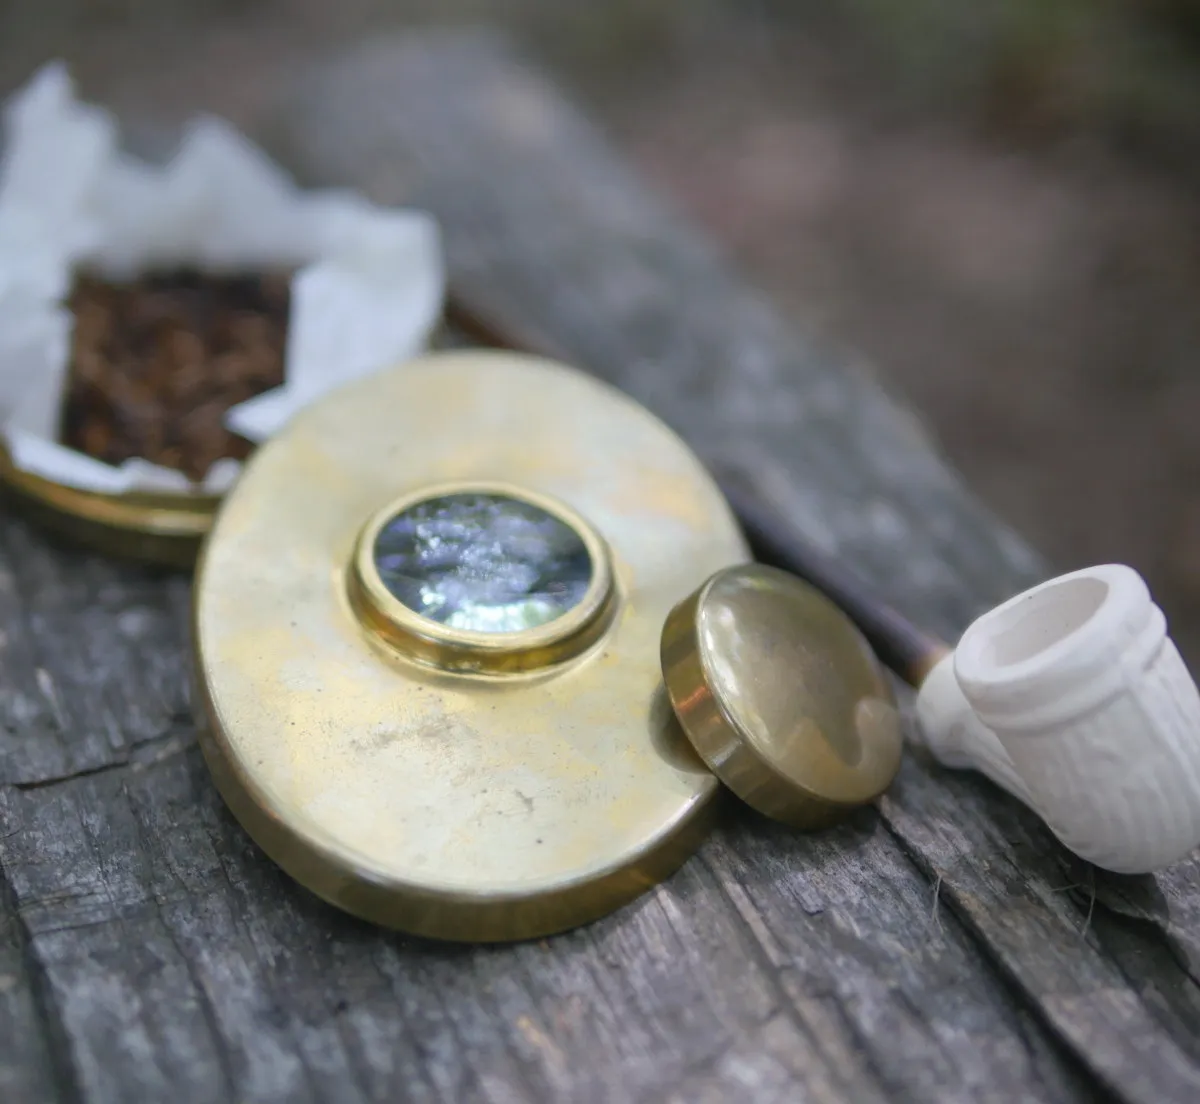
{"points": [[781, 696]]}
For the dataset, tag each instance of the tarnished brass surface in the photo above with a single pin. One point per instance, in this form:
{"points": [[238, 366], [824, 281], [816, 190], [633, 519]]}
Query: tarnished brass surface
{"points": [[781, 696], [456, 805], [154, 528]]}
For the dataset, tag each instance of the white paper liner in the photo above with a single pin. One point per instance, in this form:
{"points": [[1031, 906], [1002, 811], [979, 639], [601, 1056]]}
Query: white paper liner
{"points": [[366, 293]]}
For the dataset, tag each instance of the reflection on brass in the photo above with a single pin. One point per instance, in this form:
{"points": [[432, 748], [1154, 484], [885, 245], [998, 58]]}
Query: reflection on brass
{"points": [[153, 527], [781, 696], [506, 801]]}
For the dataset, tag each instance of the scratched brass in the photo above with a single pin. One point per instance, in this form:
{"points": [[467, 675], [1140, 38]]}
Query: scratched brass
{"points": [[781, 696], [482, 801]]}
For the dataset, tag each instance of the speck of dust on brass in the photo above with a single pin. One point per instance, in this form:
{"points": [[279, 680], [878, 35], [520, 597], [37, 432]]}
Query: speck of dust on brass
{"points": [[454, 784]]}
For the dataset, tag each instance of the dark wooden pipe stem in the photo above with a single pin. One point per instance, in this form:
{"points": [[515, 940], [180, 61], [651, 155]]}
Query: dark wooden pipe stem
{"points": [[473, 322]]}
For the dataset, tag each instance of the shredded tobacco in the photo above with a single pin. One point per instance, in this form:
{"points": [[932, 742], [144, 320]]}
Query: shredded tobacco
{"points": [[156, 363]]}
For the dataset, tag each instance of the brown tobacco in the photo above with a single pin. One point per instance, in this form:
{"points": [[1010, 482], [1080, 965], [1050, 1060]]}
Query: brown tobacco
{"points": [[156, 363]]}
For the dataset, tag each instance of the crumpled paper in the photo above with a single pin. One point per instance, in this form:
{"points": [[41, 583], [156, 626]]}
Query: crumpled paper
{"points": [[367, 290]]}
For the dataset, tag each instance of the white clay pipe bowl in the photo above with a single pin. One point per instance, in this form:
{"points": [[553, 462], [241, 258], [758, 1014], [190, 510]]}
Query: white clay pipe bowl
{"points": [[1073, 698]]}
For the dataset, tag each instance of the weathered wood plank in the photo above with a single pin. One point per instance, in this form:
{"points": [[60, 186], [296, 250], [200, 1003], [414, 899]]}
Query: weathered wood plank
{"points": [[1042, 917], [26, 1065], [92, 662], [179, 962], [919, 954]]}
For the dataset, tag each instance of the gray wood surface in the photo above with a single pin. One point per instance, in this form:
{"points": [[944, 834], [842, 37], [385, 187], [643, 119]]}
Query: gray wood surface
{"points": [[940, 948]]}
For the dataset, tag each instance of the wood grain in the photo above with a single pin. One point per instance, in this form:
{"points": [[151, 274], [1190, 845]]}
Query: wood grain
{"points": [[940, 948]]}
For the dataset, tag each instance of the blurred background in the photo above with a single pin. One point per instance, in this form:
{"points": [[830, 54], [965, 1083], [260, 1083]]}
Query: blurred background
{"points": [[995, 201]]}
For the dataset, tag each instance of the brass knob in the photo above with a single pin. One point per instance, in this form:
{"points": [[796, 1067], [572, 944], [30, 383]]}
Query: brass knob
{"points": [[781, 696]]}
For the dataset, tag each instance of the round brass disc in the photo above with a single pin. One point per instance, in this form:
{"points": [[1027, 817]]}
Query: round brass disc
{"points": [[153, 527], [468, 805], [781, 696]]}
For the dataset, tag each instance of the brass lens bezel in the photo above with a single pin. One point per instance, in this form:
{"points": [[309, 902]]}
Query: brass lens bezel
{"points": [[449, 649]]}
